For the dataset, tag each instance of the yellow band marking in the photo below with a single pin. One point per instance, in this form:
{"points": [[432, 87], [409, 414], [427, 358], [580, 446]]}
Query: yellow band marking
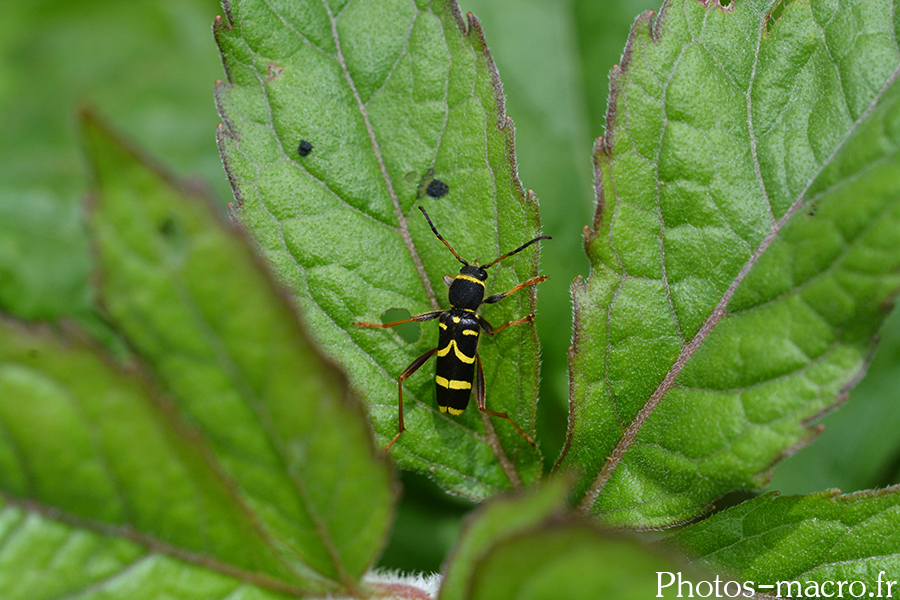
{"points": [[452, 384], [456, 411], [456, 319], [470, 278], [470, 332], [442, 326], [443, 408], [446, 350]]}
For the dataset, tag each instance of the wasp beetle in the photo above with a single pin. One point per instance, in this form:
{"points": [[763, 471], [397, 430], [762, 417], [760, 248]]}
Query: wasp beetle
{"points": [[460, 326]]}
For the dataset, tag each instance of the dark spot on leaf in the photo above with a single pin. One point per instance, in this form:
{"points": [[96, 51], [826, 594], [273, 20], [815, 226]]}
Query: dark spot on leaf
{"points": [[409, 332], [304, 148], [437, 188]]}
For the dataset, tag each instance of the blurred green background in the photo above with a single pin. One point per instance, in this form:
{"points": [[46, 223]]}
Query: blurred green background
{"points": [[149, 67]]}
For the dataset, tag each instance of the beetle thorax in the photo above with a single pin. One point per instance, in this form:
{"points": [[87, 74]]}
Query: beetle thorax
{"points": [[467, 289]]}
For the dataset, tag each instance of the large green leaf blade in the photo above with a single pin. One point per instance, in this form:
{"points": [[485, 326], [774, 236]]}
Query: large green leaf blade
{"points": [[809, 540], [45, 557], [93, 444], [223, 340], [743, 251], [390, 94]]}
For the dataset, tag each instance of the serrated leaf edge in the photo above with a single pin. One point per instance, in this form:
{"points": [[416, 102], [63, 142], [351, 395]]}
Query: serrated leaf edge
{"points": [[603, 151]]}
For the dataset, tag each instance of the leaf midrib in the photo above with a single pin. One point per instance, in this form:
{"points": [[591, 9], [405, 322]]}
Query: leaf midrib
{"points": [[402, 224], [719, 311], [491, 437]]}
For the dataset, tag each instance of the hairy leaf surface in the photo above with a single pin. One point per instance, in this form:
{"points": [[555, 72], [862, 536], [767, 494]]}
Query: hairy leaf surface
{"points": [[744, 250], [390, 95]]}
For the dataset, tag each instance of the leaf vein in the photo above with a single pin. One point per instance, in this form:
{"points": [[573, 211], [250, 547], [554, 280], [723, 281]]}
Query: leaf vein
{"points": [[400, 56], [748, 95], [848, 247], [376, 149], [717, 314], [102, 584]]}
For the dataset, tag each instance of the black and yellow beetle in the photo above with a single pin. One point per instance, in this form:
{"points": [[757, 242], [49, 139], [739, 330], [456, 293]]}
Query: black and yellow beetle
{"points": [[458, 362]]}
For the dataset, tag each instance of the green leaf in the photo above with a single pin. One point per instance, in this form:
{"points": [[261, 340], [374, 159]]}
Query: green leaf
{"points": [[525, 547], [571, 561], [390, 94], [497, 520], [42, 558], [274, 419], [601, 34], [744, 249], [817, 538], [858, 448], [96, 444], [531, 42]]}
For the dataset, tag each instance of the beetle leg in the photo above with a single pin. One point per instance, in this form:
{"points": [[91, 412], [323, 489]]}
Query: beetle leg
{"points": [[490, 329], [418, 318], [499, 297], [480, 398], [412, 368]]}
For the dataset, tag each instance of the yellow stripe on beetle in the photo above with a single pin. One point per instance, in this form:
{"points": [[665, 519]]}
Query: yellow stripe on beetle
{"points": [[452, 384], [446, 350], [470, 278]]}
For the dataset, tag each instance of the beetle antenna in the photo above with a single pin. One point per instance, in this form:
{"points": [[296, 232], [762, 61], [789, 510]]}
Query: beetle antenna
{"points": [[450, 248], [517, 250]]}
